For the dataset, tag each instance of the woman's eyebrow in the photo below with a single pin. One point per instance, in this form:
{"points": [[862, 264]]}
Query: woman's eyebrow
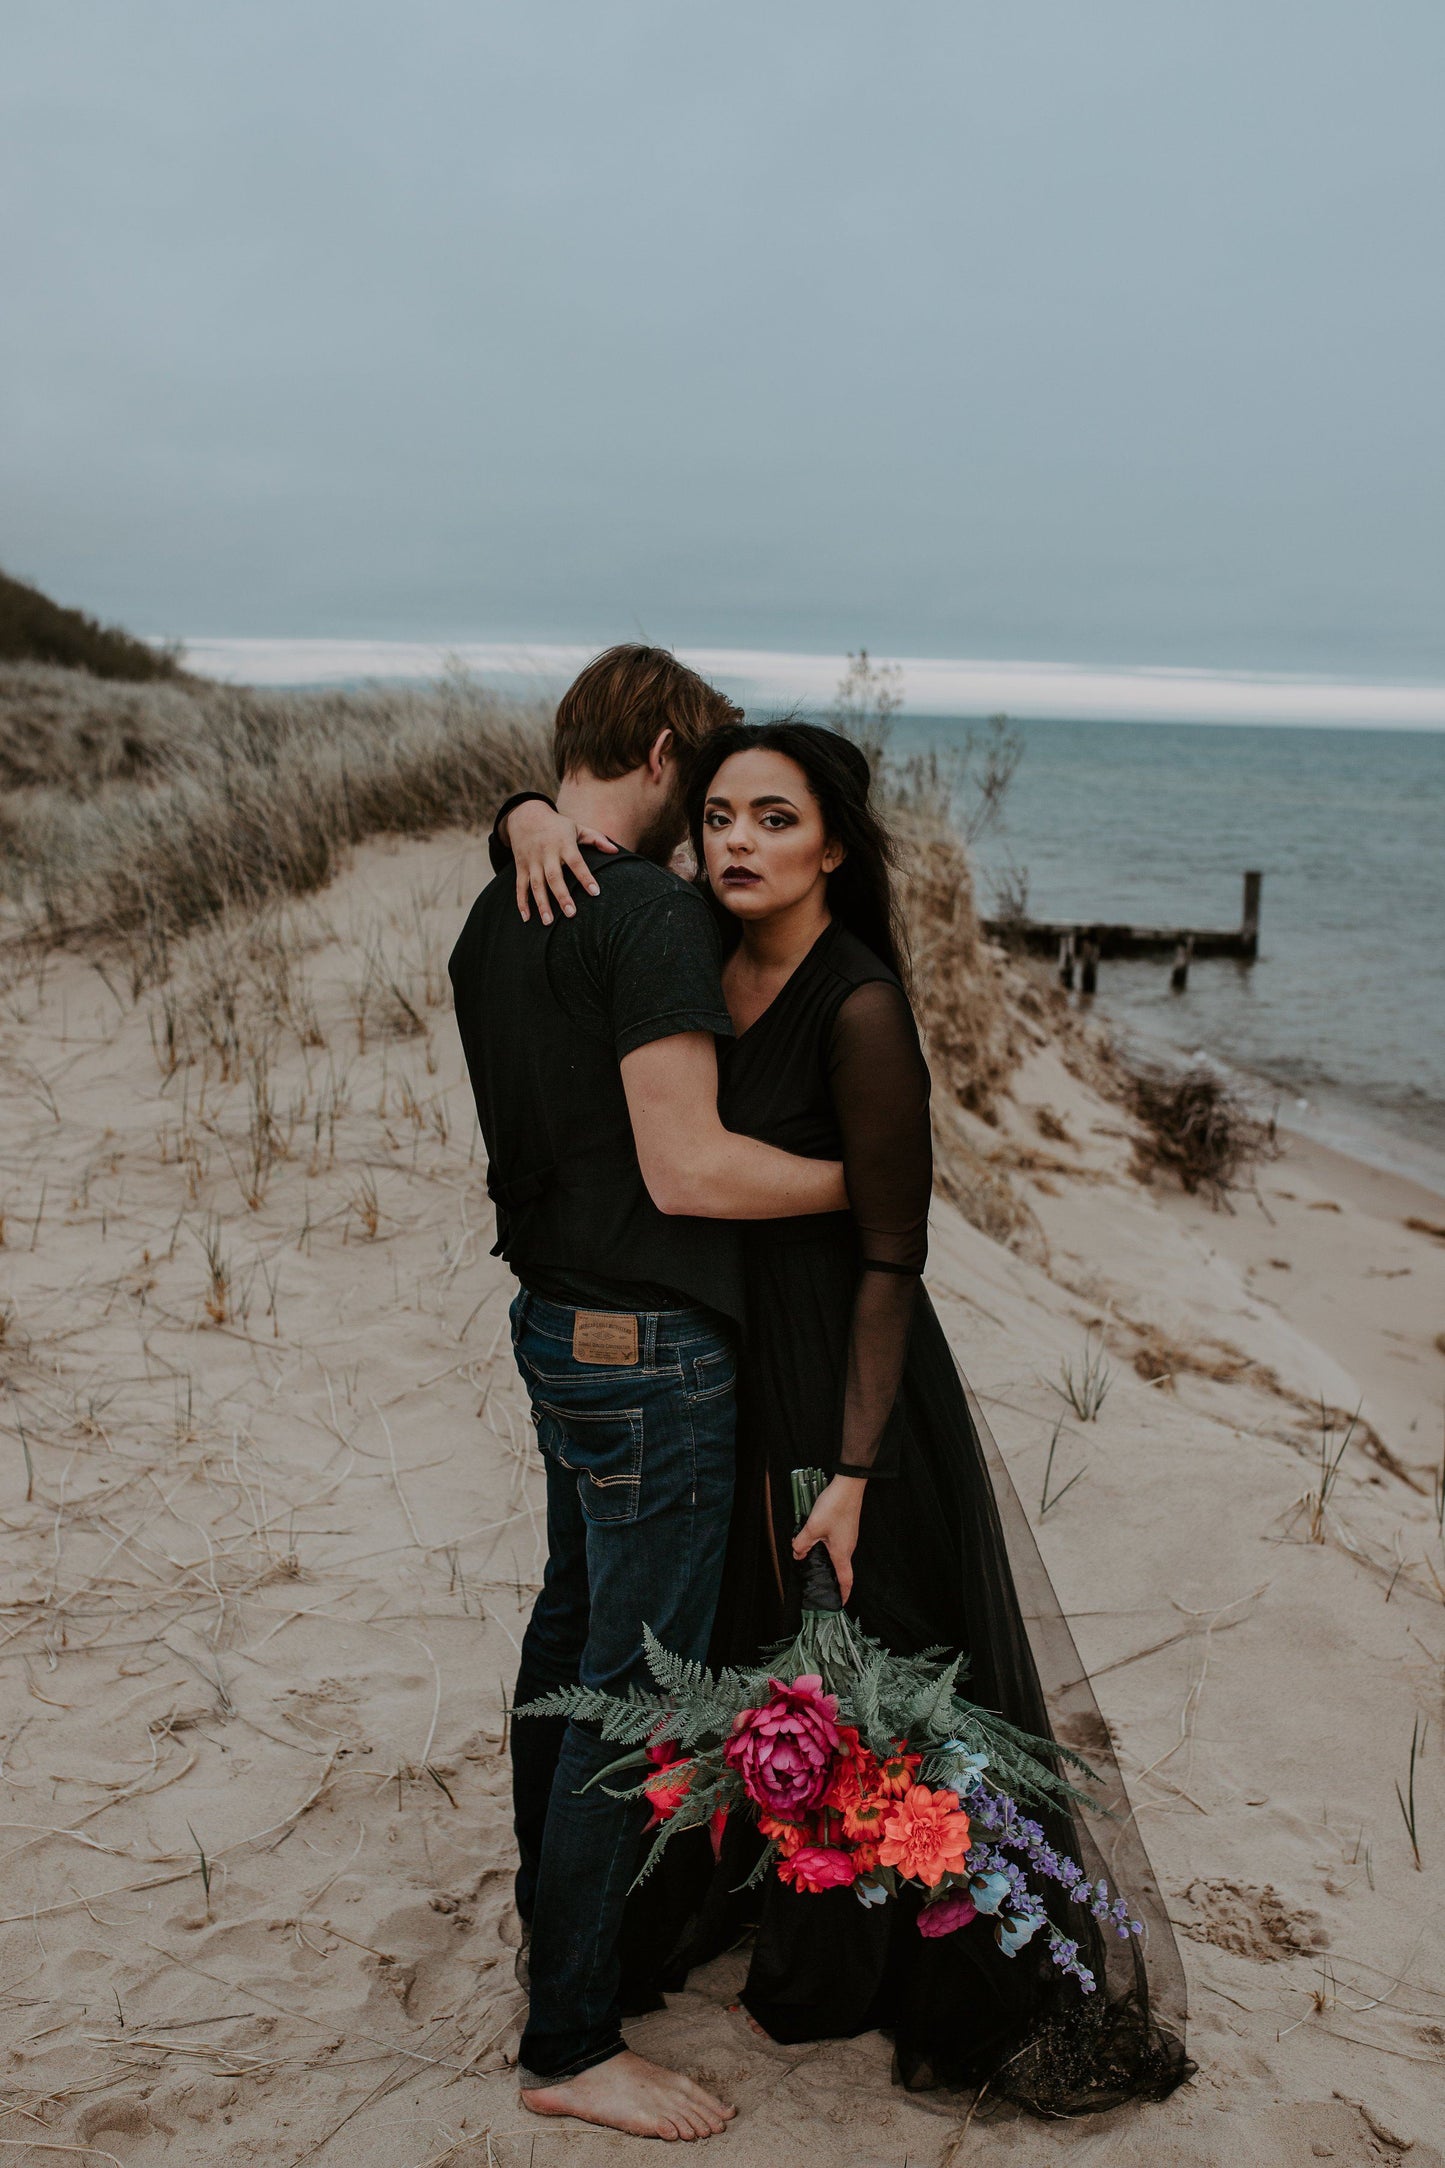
{"points": [[774, 798]]}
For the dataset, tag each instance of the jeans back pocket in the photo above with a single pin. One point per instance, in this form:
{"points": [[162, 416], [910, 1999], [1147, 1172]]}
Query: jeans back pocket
{"points": [[603, 1448]]}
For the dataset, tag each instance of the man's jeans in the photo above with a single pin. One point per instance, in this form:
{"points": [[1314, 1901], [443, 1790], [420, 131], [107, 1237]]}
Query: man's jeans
{"points": [[639, 1461]]}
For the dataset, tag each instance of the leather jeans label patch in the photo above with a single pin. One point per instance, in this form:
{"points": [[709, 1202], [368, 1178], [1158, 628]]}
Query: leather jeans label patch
{"points": [[604, 1336]]}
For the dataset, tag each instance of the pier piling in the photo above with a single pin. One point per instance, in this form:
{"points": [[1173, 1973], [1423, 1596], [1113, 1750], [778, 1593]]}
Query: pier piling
{"points": [[1077, 943]]}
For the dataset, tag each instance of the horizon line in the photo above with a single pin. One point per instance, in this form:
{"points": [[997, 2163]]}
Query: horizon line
{"points": [[931, 685]]}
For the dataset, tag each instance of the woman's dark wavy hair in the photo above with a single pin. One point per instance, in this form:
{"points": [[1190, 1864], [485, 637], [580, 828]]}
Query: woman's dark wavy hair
{"points": [[860, 890]]}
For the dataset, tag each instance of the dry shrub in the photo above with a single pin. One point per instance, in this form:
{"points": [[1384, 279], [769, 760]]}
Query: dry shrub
{"points": [[957, 989], [1197, 1125], [235, 797], [980, 1189], [967, 1022]]}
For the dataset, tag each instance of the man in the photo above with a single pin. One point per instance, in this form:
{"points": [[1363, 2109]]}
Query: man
{"points": [[589, 1038]]}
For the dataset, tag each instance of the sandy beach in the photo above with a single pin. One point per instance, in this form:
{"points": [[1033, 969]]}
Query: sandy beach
{"points": [[271, 1533]]}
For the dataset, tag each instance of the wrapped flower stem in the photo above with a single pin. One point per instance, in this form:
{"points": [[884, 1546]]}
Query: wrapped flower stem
{"points": [[827, 1639]]}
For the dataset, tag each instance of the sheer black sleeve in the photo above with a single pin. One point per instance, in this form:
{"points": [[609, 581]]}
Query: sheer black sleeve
{"points": [[879, 1084], [499, 852]]}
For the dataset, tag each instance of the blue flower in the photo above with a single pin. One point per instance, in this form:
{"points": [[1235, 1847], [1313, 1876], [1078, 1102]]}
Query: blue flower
{"points": [[988, 1891], [967, 1768], [1012, 1934], [870, 1893]]}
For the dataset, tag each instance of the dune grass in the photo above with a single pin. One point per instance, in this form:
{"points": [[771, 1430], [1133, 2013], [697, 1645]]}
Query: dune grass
{"points": [[143, 812]]}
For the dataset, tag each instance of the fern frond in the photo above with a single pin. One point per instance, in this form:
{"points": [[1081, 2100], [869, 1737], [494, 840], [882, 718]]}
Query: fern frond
{"points": [[628, 1720], [677, 1676], [867, 1703], [765, 1861], [930, 1707]]}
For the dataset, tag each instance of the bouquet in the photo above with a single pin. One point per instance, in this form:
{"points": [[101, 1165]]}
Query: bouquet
{"points": [[864, 1771]]}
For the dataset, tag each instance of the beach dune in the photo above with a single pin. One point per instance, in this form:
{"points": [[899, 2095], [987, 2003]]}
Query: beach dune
{"points": [[272, 1531]]}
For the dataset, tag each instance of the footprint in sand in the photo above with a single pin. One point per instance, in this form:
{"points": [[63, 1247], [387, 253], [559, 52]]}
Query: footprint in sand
{"points": [[1251, 1922]]}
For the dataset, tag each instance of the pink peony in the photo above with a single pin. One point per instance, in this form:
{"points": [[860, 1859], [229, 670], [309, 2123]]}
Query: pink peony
{"points": [[816, 1867], [948, 1914], [784, 1752]]}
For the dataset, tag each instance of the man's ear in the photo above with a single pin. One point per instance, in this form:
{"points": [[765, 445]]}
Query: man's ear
{"points": [[659, 754]]}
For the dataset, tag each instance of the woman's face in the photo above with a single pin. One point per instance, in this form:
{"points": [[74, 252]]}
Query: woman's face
{"points": [[765, 847]]}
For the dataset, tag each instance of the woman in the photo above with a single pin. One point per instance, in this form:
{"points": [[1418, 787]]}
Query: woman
{"points": [[846, 1367]]}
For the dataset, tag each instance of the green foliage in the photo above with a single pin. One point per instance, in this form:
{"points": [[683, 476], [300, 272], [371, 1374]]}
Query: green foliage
{"points": [[630, 1721], [868, 1703], [930, 1707], [35, 629], [886, 1697]]}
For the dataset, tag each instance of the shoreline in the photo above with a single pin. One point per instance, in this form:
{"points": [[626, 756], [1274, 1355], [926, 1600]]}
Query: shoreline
{"points": [[1329, 1122], [1410, 1161], [1382, 1191]]}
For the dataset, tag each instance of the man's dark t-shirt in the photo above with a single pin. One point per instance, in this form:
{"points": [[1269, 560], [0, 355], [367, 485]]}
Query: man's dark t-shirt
{"points": [[639, 962]]}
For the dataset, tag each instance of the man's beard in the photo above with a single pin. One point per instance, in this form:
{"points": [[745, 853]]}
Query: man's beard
{"points": [[666, 830]]}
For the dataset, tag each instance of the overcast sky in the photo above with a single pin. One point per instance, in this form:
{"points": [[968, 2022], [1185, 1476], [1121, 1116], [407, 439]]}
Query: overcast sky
{"points": [[1112, 331]]}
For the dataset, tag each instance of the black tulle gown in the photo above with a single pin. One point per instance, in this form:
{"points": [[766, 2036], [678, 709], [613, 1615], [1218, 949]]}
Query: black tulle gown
{"points": [[845, 1366]]}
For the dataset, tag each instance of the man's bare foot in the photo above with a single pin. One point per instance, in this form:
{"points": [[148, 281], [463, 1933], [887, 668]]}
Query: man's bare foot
{"points": [[629, 2093]]}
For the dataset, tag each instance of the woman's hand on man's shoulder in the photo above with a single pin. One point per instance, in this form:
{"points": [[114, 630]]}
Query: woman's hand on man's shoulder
{"points": [[545, 847]]}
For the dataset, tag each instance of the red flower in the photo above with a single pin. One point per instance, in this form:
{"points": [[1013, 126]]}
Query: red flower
{"points": [[816, 1867], [785, 1751], [666, 1789], [947, 1914], [857, 1793]]}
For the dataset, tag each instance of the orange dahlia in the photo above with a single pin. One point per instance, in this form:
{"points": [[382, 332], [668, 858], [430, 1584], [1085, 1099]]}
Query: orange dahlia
{"points": [[925, 1835]]}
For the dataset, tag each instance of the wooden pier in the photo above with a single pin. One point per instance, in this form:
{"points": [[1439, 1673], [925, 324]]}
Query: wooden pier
{"points": [[1070, 938]]}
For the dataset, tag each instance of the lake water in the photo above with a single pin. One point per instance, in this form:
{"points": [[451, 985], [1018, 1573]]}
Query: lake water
{"points": [[1343, 1016]]}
